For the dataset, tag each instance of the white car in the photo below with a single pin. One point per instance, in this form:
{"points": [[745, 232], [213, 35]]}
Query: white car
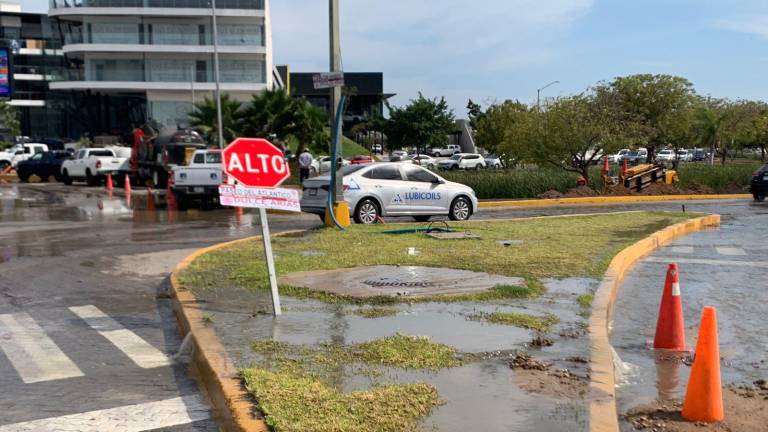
{"points": [[200, 179], [449, 150], [616, 158], [462, 161], [324, 164], [494, 162], [92, 165], [20, 152], [684, 155], [423, 160], [393, 189], [666, 155]]}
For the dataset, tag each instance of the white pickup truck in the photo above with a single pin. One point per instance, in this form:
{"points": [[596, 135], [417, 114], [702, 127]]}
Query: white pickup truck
{"points": [[92, 165], [20, 152], [200, 179], [449, 150]]}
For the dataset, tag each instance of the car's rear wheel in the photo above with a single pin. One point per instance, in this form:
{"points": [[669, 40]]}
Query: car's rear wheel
{"points": [[759, 197], [66, 178], [91, 179], [461, 209], [367, 212]]}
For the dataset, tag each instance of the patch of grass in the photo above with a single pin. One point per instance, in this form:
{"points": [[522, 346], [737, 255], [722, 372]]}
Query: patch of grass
{"points": [[408, 352], [528, 321], [585, 300], [375, 312], [291, 401], [270, 347], [579, 246], [209, 318]]}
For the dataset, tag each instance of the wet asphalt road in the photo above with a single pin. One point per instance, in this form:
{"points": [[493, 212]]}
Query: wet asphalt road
{"points": [[69, 253], [63, 248]]}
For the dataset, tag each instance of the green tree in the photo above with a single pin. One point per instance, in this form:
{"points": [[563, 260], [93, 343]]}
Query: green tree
{"points": [[656, 103], [508, 129], [9, 119], [422, 123], [203, 118], [577, 130]]}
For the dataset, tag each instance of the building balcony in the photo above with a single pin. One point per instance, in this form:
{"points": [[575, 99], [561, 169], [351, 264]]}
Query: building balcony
{"points": [[172, 49], [163, 86], [77, 8]]}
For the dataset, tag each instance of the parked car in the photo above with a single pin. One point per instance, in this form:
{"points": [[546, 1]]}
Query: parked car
{"points": [[324, 164], [493, 161], [91, 165], [759, 185], [399, 154], [361, 160], [684, 155], [449, 150], [699, 155], [43, 165], [20, 152], [199, 180], [462, 161], [666, 155], [616, 158], [632, 157], [377, 149], [393, 189], [424, 160]]}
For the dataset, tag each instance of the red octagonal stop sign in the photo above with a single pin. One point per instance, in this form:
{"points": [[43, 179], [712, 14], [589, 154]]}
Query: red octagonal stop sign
{"points": [[255, 162]]}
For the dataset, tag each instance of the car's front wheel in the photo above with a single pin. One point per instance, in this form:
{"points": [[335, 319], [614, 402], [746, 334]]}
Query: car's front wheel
{"points": [[66, 178], [367, 212], [23, 176], [759, 197], [461, 209]]}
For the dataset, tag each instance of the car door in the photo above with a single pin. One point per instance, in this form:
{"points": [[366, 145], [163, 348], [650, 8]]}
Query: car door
{"points": [[424, 194], [386, 183], [77, 167]]}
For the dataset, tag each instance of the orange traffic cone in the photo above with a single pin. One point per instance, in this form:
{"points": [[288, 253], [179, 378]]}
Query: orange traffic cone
{"points": [[128, 190], [670, 327], [704, 395], [625, 167], [110, 186], [606, 166]]}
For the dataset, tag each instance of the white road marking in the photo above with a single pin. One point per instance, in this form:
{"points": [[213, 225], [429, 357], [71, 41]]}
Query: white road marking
{"points": [[130, 418], [730, 251], [32, 353], [682, 249], [710, 262], [142, 353]]}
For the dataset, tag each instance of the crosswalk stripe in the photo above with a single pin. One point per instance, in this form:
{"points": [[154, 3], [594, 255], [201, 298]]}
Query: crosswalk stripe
{"points": [[730, 263], [730, 251], [131, 418], [683, 249], [142, 353], [32, 353]]}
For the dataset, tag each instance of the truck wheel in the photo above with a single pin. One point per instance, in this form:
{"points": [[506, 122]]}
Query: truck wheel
{"points": [[23, 177], [66, 178], [91, 180], [759, 197], [461, 209]]}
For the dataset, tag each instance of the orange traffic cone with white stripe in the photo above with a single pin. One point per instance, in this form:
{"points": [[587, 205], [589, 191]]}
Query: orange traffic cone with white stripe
{"points": [[128, 190], [704, 395], [670, 327], [110, 186]]}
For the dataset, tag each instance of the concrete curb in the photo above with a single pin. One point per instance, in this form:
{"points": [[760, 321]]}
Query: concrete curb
{"points": [[603, 416], [232, 406], [608, 200]]}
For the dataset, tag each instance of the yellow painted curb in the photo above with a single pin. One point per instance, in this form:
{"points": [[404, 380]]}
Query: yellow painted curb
{"points": [[603, 416], [232, 405], [608, 200]]}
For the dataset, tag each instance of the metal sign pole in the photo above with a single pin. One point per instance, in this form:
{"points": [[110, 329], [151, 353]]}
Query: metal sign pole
{"points": [[270, 261]]}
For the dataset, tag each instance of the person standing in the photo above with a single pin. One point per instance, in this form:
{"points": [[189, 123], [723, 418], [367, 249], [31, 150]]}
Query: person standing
{"points": [[305, 162]]}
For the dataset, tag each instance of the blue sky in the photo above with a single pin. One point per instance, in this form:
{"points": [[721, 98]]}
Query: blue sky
{"points": [[505, 49]]}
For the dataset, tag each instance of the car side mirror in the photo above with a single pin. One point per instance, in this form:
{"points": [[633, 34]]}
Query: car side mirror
{"points": [[437, 181]]}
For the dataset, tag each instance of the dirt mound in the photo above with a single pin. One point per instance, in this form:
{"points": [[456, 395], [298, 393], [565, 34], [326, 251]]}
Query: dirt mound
{"points": [[745, 410], [538, 377], [581, 191], [550, 194]]}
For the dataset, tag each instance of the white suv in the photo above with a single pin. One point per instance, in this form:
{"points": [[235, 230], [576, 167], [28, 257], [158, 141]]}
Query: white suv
{"points": [[463, 161], [666, 155]]}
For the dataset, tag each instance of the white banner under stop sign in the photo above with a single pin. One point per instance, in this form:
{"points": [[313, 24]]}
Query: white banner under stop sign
{"points": [[275, 199]]}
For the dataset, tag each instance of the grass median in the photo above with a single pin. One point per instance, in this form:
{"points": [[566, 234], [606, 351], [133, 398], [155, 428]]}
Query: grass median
{"points": [[577, 246]]}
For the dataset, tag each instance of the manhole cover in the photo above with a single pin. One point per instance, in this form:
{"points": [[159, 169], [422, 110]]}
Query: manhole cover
{"points": [[394, 281]]}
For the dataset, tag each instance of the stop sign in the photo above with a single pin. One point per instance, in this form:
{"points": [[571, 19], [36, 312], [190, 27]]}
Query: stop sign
{"points": [[255, 162]]}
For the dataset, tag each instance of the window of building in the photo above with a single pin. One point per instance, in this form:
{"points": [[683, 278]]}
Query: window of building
{"points": [[114, 33], [241, 34], [175, 34], [242, 71], [171, 70]]}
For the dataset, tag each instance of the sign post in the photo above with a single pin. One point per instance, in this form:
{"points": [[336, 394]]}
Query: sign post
{"points": [[259, 167]]}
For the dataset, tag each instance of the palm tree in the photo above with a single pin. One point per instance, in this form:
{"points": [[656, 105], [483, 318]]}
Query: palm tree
{"points": [[203, 118]]}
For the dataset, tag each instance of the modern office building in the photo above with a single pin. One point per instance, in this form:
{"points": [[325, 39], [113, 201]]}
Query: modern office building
{"points": [[35, 57], [127, 61]]}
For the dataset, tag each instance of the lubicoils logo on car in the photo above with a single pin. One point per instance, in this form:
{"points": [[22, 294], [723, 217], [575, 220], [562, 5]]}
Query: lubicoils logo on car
{"points": [[422, 196]]}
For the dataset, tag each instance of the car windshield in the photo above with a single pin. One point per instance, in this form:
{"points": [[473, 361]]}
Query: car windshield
{"points": [[456, 157], [213, 158], [632, 153]]}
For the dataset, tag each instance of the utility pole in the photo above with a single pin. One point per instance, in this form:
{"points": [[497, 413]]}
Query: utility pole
{"points": [[335, 60], [220, 126]]}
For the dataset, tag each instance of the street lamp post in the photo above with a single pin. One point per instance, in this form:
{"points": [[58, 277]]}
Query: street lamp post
{"points": [[538, 94], [219, 122]]}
